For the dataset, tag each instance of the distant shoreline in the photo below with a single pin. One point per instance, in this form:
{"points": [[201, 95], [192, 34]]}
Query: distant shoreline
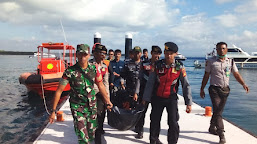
{"points": [[22, 53], [32, 53], [15, 53]]}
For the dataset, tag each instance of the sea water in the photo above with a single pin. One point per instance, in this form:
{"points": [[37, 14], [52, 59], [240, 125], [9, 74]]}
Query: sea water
{"points": [[23, 116], [241, 108]]}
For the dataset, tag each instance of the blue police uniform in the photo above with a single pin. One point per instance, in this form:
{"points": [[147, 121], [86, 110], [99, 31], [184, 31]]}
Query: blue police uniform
{"points": [[116, 67]]}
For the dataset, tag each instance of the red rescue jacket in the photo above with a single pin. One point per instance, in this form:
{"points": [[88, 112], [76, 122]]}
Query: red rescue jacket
{"points": [[168, 79]]}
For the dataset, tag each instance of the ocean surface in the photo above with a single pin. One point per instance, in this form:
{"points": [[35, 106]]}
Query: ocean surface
{"points": [[23, 115]]}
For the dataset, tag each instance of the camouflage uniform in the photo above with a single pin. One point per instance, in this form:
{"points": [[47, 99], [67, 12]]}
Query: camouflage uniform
{"points": [[82, 99]]}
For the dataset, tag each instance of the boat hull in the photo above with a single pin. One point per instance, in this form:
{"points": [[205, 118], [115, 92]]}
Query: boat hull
{"points": [[47, 83], [246, 65]]}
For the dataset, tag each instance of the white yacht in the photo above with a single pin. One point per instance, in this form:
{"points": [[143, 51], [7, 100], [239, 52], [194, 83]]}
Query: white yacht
{"points": [[242, 59], [44, 55], [179, 56]]}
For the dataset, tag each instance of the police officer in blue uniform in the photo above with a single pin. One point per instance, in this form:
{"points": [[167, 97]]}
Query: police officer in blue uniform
{"points": [[131, 72], [145, 55], [117, 65]]}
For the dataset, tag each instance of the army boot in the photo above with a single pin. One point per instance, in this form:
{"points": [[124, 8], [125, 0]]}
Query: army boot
{"points": [[222, 138], [213, 130]]}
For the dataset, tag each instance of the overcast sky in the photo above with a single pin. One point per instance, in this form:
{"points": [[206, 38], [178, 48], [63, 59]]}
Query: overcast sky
{"points": [[194, 25]]}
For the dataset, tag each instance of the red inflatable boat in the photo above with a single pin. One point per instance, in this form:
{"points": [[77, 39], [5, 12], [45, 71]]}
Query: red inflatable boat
{"points": [[49, 70]]}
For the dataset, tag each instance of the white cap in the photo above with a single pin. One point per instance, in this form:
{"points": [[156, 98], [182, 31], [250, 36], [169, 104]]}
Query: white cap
{"points": [[97, 35], [128, 35]]}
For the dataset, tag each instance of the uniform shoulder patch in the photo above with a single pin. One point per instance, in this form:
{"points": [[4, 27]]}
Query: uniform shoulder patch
{"points": [[183, 70]]}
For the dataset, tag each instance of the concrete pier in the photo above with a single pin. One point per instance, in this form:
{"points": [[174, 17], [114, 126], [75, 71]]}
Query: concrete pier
{"points": [[193, 130]]}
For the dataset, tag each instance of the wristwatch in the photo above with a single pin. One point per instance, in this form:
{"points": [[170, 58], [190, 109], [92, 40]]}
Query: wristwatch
{"points": [[53, 110]]}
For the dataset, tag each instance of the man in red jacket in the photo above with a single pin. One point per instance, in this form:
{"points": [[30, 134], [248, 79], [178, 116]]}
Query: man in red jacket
{"points": [[164, 80]]}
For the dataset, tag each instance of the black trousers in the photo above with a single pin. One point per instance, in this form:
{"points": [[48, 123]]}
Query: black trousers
{"points": [[171, 105], [218, 98], [101, 111], [140, 124]]}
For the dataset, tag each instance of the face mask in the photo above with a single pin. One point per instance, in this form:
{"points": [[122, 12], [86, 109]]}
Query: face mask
{"points": [[221, 56]]}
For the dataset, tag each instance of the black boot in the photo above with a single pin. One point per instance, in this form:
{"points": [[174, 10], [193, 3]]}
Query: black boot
{"points": [[155, 141], [213, 130], [222, 138], [139, 135]]}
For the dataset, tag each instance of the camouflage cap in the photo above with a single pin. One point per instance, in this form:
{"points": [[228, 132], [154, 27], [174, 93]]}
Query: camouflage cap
{"points": [[83, 48], [137, 49], [156, 49], [170, 46]]}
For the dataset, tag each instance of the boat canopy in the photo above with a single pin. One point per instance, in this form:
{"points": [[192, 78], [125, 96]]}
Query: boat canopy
{"points": [[56, 46]]}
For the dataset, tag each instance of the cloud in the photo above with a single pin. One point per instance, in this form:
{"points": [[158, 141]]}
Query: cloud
{"points": [[247, 12], [191, 27], [228, 20], [245, 40], [152, 22], [223, 1], [191, 33], [82, 18], [114, 13], [8, 9], [242, 14]]}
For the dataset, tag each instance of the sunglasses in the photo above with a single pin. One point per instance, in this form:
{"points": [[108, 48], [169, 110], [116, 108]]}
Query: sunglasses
{"points": [[102, 53]]}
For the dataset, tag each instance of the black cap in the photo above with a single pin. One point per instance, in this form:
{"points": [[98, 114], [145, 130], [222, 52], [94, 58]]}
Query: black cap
{"points": [[98, 47], [156, 49], [170, 46]]}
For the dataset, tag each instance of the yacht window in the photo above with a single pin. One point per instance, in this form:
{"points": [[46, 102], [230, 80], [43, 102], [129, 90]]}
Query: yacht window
{"points": [[240, 59], [232, 50], [252, 60]]}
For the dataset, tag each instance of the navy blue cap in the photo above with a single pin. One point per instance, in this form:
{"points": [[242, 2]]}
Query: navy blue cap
{"points": [[171, 46], [156, 49]]}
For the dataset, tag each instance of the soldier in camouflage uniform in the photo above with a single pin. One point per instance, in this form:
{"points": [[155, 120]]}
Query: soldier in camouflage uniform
{"points": [[81, 78]]}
